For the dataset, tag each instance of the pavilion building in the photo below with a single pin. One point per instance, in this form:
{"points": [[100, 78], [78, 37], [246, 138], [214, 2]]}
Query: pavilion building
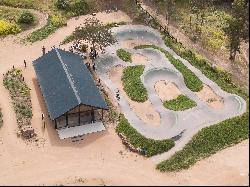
{"points": [[73, 100]]}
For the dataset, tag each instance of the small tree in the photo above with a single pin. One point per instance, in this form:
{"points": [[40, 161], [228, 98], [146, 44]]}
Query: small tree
{"points": [[238, 26], [95, 33]]}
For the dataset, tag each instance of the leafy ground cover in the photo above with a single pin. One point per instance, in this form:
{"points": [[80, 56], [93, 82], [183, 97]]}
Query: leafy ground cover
{"points": [[124, 55], [181, 103], [132, 83], [146, 147]]}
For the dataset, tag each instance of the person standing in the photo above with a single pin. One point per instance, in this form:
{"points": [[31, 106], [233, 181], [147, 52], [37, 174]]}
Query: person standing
{"points": [[25, 64], [43, 50]]}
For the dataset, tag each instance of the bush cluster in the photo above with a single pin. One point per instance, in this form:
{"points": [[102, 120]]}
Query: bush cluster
{"points": [[133, 85], [7, 28], [148, 147], [73, 7], [26, 17]]}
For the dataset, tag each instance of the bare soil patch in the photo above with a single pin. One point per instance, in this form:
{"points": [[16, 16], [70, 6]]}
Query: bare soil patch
{"points": [[212, 99], [167, 90], [139, 58]]}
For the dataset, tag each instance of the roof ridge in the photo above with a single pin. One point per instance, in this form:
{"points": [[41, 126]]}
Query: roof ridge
{"points": [[71, 80]]}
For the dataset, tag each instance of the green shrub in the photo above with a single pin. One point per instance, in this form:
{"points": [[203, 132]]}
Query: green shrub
{"points": [[207, 142], [79, 7], [7, 28], [182, 102], [133, 85], [124, 55], [190, 79], [148, 147], [62, 4], [55, 22], [26, 17]]}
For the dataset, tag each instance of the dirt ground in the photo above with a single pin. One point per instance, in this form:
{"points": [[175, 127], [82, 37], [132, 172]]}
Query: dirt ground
{"points": [[207, 95], [139, 58], [167, 90], [100, 159]]}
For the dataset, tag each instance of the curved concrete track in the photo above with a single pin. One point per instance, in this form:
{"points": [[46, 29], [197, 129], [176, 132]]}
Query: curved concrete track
{"points": [[173, 124]]}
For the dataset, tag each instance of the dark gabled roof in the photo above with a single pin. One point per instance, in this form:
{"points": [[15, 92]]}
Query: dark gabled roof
{"points": [[66, 83]]}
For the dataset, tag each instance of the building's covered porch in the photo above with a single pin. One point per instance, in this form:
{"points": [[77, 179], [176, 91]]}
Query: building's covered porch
{"points": [[76, 131], [79, 116]]}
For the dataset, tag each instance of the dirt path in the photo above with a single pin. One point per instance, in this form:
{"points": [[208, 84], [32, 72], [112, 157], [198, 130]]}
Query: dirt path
{"points": [[240, 74], [99, 159]]}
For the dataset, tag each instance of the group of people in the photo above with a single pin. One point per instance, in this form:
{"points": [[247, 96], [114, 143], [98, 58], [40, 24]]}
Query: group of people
{"points": [[77, 48]]}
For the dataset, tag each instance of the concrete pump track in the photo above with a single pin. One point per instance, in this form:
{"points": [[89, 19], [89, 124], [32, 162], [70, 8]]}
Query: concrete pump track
{"points": [[179, 125]]}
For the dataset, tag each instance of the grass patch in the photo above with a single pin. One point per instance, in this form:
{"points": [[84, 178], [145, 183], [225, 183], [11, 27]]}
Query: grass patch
{"points": [[147, 147], [20, 3], [181, 103], [124, 55], [207, 142], [190, 79], [132, 83]]}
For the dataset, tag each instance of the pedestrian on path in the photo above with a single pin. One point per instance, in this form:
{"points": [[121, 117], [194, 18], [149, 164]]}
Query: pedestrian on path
{"points": [[43, 50], [25, 64]]}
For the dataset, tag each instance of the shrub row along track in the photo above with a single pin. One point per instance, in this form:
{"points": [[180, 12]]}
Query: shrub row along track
{"points": [[174, 124]]}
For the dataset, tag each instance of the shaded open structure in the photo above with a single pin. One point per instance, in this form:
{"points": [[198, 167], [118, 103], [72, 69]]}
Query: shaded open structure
{"points": [[70, 93]]}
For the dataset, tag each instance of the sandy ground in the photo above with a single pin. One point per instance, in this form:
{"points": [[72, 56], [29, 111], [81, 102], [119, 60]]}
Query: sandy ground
{"points": [[148, 116], [139, 59], [130, 44], [207, 95], [167, 90], [100, 159]]}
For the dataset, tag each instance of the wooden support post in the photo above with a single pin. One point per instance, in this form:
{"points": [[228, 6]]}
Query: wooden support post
{"points": [[55, 124], [102, 114], [79, 115], [67, 120]]}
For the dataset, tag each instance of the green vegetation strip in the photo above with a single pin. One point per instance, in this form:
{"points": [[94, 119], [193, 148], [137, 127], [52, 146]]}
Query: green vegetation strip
{"points": [[181, 103], [191, 80], [20, 95], [207, 142], [132, 83], [54, 22], [148, 147], [124, 55]]}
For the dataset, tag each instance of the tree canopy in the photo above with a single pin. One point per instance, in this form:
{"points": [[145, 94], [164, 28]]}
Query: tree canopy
{"points": [[95, 33]]}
